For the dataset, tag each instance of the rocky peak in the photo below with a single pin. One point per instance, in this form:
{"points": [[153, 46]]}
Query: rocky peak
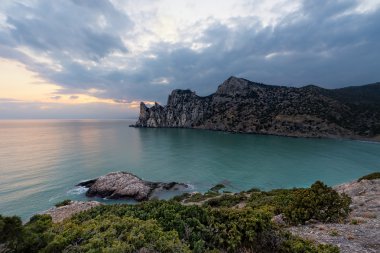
{"points": [[233, 86], [143, 109], [180, 96]]}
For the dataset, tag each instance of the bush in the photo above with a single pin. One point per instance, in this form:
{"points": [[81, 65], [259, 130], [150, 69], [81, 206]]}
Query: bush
{"points": [[110, 233], [63, 203], [181, 197], [297, 245], [319, 202], [375, 175], [10, 232], [226, 200], [28, 238], [217, 187], [274, 200], [202, 228]]}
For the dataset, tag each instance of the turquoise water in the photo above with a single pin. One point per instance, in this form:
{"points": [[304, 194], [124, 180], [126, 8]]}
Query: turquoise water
{"points": [[41, 161]]}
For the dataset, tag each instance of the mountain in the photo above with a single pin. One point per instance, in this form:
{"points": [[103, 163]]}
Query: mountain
{"points": [[240, 105]]}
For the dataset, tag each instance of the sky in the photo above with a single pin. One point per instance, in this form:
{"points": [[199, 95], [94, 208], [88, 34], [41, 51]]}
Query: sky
{"points": [[100, 58]]}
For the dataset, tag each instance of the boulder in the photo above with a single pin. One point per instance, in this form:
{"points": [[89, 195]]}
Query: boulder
{"points": [[125, 185]]}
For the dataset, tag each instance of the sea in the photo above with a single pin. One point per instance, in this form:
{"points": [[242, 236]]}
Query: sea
{"points": [[42, 161]]}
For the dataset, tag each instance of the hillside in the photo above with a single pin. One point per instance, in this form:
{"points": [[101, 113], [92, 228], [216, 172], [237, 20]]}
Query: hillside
{"points": [[240, 105], [317, 219]]}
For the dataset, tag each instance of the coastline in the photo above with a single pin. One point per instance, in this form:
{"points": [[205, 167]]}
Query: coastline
{"points": [[319, 219], [375, 139], [358, 232]]}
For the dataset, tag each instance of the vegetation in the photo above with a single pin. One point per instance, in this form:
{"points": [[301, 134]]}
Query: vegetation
{"points": [[110, 233], [63, 203], [198, 197], [169, 226], [30, 237], [217, 187], [319, 202], [375, 175], [226, 200]]}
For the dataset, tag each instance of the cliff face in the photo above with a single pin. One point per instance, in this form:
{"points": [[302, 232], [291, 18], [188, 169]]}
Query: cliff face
{"points": [[240, 105]]}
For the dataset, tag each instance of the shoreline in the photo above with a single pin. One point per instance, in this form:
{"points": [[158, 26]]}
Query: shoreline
{"points": [[375, 139], [345, 217]]}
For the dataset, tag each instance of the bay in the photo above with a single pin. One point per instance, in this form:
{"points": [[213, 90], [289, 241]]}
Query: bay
{"points": [[41, 161]]}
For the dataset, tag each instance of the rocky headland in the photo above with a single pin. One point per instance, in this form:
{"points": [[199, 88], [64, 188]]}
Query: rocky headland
{"points": [[240, 105], [125, 185]]}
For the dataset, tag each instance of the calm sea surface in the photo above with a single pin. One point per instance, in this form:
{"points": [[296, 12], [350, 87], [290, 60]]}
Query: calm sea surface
{"points": [[41, 161]]}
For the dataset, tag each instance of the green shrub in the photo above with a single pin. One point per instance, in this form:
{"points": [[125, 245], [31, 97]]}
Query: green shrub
{"points": [[318, 202], [253, 189], [35, 236], [226, 200], [375, 175], [274, 200], [63, 203], [217, 187], [28, 238], [109, 233], [295, 244], [202, 228], [181, 197], [10, 232]]}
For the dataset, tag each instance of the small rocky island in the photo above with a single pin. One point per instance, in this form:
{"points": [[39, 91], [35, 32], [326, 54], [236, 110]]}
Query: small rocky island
{"points": [[240, 105], [125, 185]]}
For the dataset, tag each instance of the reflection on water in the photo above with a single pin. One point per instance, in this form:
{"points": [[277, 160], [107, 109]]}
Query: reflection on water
{"points": [[42, 161]]}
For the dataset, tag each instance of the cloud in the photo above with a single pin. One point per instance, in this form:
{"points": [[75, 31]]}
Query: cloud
{"points": [[9, 100], [56, 97], [73, 97], [128, 51], [40, 110]]}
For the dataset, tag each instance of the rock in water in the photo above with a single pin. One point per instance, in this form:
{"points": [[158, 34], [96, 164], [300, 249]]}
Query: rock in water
{"points": [[124, 185], [240, 105]]}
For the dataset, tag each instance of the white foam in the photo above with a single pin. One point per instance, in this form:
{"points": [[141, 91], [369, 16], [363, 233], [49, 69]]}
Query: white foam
{"points": [[77, 190], [190, 186]]}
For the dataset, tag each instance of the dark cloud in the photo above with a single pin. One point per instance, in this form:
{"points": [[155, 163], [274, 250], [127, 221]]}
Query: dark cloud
{"points": [[320, 45], [73, 97], [325, 43]]}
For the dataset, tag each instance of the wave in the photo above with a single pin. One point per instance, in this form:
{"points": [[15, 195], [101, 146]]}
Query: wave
{"points": [[77, 190], [190, 186]]}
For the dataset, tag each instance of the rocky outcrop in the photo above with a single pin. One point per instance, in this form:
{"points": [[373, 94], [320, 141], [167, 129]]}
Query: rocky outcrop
{"points": [[240, 105], [61, 213], [361, 232], [124, 185]]}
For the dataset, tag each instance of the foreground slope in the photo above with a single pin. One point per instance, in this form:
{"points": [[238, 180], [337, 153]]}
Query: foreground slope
{"points": [[240, 105]]}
